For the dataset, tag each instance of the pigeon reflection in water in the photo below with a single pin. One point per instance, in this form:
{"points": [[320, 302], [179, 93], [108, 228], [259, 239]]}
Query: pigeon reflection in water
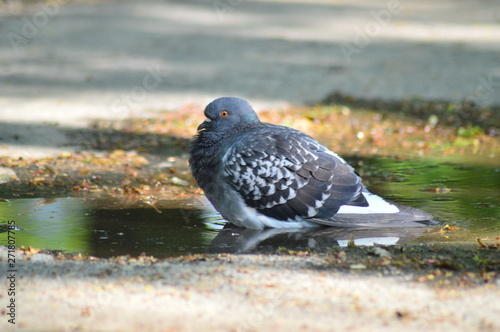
{"points": [[233, 239]]}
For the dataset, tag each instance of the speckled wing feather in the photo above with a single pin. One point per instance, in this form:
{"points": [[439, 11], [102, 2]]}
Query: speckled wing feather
{"points": [[287, 175]]}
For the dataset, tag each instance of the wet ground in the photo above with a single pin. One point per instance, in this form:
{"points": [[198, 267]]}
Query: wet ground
{"points": [[105, 225], [129, 191]]}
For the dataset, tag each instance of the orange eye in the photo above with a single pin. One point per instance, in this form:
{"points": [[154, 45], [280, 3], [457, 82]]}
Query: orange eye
{"points": [[224, 114]]}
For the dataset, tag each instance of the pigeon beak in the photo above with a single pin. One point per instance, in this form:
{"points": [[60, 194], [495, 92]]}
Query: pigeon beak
{"points": [[204, 124]]}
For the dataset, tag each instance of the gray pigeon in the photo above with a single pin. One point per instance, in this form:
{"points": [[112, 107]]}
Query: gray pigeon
{"points": [[260, 175]]}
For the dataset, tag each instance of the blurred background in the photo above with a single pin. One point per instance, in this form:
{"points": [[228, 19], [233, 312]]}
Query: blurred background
{"points": [[71, 61]]}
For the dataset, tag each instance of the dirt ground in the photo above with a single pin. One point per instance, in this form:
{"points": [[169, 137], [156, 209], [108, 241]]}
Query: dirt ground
{"points": [[353, 288], [85, 92]]}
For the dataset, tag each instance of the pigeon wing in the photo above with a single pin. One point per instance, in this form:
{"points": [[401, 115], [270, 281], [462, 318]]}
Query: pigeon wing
{"points": [[287, 175]]}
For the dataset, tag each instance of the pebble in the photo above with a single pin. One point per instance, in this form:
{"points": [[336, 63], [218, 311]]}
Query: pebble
{"points": [[381, 252], [42, 258], [7, 175]]}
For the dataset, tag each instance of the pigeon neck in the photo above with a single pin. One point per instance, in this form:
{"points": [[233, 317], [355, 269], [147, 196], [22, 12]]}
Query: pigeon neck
{"points": [[206, 148], [218, 138]]}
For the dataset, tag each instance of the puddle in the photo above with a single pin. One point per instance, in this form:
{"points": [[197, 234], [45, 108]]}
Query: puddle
{"points": [[107, 226], [463, 196]]}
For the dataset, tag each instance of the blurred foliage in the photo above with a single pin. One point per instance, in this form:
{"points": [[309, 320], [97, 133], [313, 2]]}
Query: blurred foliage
{"points": [[457, 114], [470, 131]]}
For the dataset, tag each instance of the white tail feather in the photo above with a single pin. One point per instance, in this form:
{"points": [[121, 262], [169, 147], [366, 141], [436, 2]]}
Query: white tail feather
{"points": [[376, 204]]}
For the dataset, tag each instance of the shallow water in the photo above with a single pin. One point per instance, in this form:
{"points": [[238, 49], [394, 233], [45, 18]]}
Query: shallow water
{"points": [[463, 196]]}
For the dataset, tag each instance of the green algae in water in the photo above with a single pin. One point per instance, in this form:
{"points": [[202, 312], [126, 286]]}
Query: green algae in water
{"points": [[464, 195]]}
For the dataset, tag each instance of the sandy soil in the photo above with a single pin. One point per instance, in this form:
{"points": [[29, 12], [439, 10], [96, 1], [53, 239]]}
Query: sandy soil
{"points": [[239, 293]]}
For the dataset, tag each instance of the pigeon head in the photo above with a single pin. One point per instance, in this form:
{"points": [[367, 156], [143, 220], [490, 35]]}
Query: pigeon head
{"points": [[228, 114]]}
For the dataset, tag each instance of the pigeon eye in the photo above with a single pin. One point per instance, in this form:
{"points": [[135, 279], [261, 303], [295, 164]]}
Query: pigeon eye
{"points": [[224, 114]]}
